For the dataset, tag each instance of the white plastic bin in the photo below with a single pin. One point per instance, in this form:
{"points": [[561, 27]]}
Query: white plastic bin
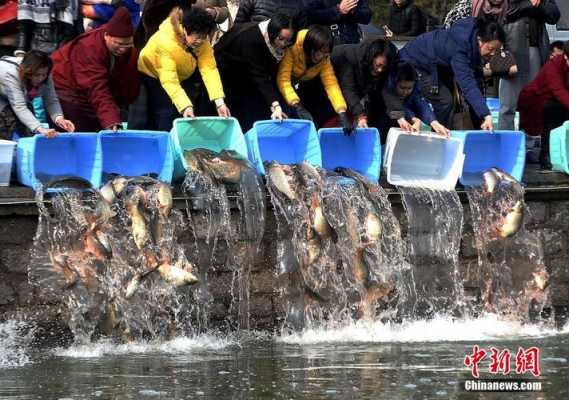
{"points": [[423, 160], [7, 148]]}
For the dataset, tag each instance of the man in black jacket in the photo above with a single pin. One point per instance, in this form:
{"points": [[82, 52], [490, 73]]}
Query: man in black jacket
{"points": [[262, 10], [341, 16], [405, 18]]}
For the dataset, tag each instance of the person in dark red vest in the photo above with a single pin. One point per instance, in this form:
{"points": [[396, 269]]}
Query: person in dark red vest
{"points": [[547, 94], [96, 73]]}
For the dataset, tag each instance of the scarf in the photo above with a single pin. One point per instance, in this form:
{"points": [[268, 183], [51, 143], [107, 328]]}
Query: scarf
{"points": [[277, 53], [496, 8]]}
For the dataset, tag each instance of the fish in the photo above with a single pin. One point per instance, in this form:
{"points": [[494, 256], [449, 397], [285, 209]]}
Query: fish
{"points": [[165, 201], [113, 188], [313, 250], [319, 222], [61, 266], [359, 268], [280, 180], [512, 222], [104, 241], [352, 226], [64, 182], [309, 174], [312, 297], [133, 286], [541, 279], [503, 176], [138, 224], [176, 274], [88, 276], [371, 295], [490, 181], [92, 246], [192, 161], [373, 227], [226, 169]]}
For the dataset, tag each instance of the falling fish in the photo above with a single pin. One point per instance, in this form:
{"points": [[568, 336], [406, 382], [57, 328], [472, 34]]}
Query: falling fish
{"points": [[176, 274], [319, 222], [541, 279], [138, 224], [132, 286], [512, 222], [60, 265], [313, 250], [113, 188], [503, 176], [359, 268], [280, 180], [92, 246], [490, 181], [309, 174], [192, 161], [104, 241], [373, 227]]}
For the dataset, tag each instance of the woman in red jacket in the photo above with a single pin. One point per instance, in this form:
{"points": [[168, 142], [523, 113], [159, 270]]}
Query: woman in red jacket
{"points": [[547, 94]]}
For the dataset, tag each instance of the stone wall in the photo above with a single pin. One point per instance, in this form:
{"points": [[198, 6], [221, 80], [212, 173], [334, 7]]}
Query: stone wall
{"points": [[548, 218]]}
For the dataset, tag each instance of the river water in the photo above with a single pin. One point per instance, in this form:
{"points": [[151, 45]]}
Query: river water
{"points": [[415, 360]]}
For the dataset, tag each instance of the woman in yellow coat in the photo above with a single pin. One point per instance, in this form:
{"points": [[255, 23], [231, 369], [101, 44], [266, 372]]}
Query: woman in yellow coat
{"points": [[168, 63], [306, 60]]}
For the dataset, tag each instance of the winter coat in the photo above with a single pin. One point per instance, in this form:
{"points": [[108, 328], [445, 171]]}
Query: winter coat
{"points": [[243, 59], [354, 75], [456, 48], [83, 75], [13, 92], [405, 19], [551, 82], [262, 10], [344, 27], [517, 30], [414, 106], [293, 67], [166, 57]]}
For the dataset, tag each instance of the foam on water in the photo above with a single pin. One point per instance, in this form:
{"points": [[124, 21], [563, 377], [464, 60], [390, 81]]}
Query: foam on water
{"points": [[438, 329], [13, 343], [179, 345]]}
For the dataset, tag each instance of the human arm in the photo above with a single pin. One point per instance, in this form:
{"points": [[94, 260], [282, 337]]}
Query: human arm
{"points": [[555, 73], [284, 79], [331, 86], [464, 76], [210, 74], [13, 90], [347, 78], [346, 11], [246, 9]]}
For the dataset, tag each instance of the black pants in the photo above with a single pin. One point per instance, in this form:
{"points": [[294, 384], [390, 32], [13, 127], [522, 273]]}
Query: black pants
{"points": [[314, 98], [162, 112], [555, 115]]}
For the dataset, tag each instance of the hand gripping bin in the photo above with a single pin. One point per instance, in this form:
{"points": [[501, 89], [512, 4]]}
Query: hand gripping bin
{"points": [[288, 142], [483, 150], [40, 159], [423, 160], [212, 133], [136, 153], [361, 151]]}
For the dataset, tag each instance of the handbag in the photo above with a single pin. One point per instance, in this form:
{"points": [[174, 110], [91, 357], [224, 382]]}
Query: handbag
{"points": [[8, 17]]}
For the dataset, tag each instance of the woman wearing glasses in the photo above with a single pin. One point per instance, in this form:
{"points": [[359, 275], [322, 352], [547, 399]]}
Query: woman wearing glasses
{"points": [[248, 57], [304, 61], [168, 64]]}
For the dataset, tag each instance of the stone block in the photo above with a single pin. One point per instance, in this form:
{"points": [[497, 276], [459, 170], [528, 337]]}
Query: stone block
{"points": [[7, 293], [559, 269], [558, 215], [468, 245], [14, 258], [559, 294], [263, 282], [552, 240], [17, 230]]}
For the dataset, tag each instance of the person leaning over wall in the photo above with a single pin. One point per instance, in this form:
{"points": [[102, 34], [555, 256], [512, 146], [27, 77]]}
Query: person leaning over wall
{"points": [[21, 80], [456, 53], [96, 73], [547, 94], [168, 64], [248, 58], [307, 59]]}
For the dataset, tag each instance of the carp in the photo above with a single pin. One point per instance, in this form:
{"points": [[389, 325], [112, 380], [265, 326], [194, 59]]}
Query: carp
{"points": [[512, 222], [319, 222], [280, 180]]}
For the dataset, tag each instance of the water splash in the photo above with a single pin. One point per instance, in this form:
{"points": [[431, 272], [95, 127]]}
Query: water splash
{"points": [[15, 338], [435, 220]]}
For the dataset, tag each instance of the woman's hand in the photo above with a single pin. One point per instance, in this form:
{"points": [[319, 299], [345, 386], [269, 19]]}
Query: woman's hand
{"points": [[223, 111], [47, 132], [188, 112], [416, 126], [404, 125], [440, 129], [362, 121], [277, 112], [64, 124], [487, 125]]}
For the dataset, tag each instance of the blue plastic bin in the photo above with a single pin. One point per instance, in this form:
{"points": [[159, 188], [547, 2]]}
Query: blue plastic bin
{"points": [[212, 133], [360, 151], [288, 142], [136, 153], [68, 154], [483, 150]]}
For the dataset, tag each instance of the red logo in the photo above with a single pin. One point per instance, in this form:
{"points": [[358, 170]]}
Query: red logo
{"points": [[527, 361]]}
